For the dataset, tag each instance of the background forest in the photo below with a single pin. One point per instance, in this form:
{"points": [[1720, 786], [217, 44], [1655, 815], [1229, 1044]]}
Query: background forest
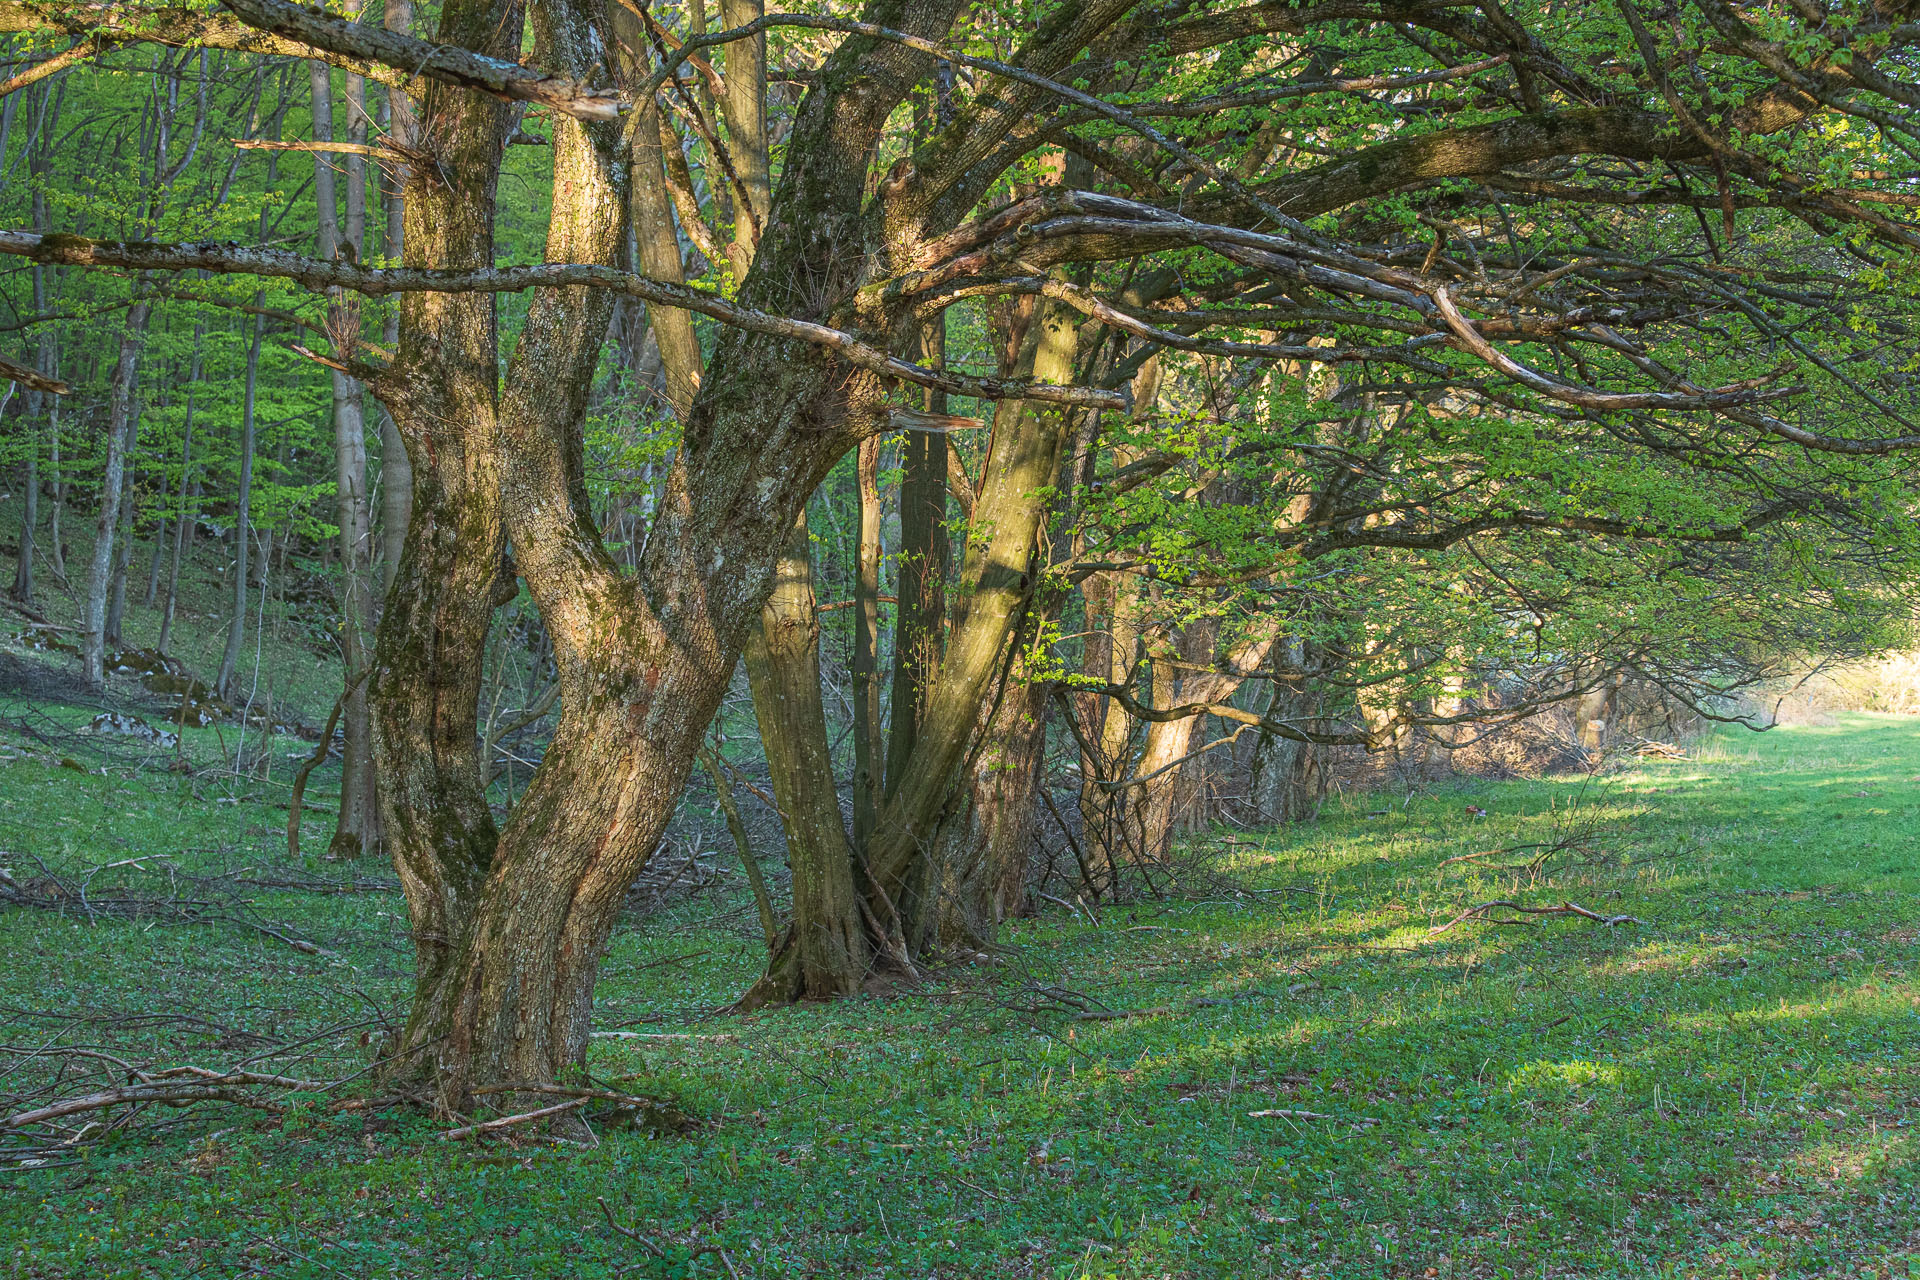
{"points": [[888, 491]]}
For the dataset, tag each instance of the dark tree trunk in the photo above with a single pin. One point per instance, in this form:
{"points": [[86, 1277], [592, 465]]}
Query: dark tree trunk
{"points": [[829, 945]]}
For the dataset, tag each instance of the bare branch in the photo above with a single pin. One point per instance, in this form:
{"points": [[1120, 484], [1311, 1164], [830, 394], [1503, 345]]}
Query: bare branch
{"points": [[314, 273]]}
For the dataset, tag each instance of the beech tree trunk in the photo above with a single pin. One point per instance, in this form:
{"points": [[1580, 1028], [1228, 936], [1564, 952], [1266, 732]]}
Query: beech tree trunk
{"points": [[242, 516], [357, 830], [186, 516], [120, 393]]}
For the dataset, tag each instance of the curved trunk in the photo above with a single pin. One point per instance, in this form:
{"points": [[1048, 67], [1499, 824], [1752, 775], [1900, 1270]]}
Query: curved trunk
{"points": [[642, 662], [994, 586], [424, 693]]}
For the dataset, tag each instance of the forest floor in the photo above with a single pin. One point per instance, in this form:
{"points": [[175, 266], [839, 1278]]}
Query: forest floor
{"points": [[1312, 1081]]}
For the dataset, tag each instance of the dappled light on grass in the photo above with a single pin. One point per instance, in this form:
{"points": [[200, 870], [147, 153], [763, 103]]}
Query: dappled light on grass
{"points": [[1259, 1085]]}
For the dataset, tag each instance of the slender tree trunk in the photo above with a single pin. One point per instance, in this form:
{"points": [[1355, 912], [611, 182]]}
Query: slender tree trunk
{"points": [[123, 541], [120, 393], [396, 472], [745, 110], [37, 404], [151, 595], [921, 616], [357, 831], [187, 516], [242, 517], [22, 589], [56, 553], [869, 742]]}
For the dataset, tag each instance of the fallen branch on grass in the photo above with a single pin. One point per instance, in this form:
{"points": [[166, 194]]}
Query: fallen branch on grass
{"points": [[506, 1122], [1564, 909], [1287, 1113], [1119, 1015], [174, 1087]]}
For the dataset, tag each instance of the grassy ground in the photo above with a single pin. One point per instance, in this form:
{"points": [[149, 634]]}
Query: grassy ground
{"points": [[1729, 1089]]}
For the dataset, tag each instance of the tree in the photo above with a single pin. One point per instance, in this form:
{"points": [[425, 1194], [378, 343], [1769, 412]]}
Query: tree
{"points": [[1202, 230]]}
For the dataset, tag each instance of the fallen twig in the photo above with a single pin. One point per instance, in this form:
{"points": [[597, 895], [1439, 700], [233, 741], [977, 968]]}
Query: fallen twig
{"points": [[169, 1088], [1288, 1113], [1118, 1015], [1564, 909], [504, 1122]]}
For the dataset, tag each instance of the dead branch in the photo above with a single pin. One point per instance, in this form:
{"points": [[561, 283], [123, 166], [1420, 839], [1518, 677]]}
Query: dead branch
{"points": [[1288, 1113], [168, 1088], [505, 1122], [1564, 909], [1121, 1015]]}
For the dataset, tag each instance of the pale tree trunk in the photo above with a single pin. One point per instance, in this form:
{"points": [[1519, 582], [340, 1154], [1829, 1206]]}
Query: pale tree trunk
{"points": [[186, 517], [745, 110], [358, 829], [151, 596], [37, 404], [123, 538], [1592, 712], [1165, 786], [22, 587], [396, 472], [242, 516], [56, 553], [869, 743], [120, 394], [1103, 770], [39, 162]]}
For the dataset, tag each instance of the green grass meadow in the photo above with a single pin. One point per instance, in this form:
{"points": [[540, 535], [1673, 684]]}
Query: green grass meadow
{"points": [[1729, 1089]]}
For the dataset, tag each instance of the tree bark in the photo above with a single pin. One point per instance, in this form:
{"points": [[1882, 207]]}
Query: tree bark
{"points": [[357, 831], [242, 516], [992, 590], [38, 403], [120, 393], [869, 742], [830, 950], [441, 391], [186, 516], [396, 472], [924, 562]]}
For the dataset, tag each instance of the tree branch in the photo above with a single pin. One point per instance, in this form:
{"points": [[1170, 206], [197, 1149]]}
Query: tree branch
{"points": [[314, 273]]}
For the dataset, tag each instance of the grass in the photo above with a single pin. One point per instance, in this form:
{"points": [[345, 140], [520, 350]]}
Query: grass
{"points": [[1729, 1090]]}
